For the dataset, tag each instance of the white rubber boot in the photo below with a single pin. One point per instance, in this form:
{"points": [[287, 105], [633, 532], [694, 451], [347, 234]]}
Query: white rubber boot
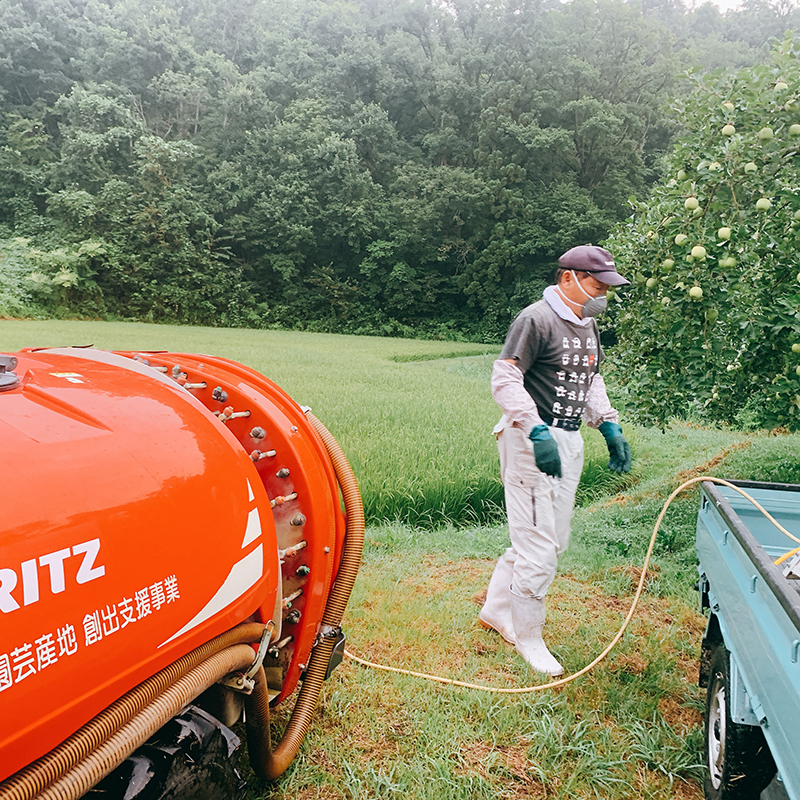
{"points": [[496, 611], [528, 615]]}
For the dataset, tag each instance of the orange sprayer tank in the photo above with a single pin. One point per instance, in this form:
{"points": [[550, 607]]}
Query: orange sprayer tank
{"points": [[151, 501]]}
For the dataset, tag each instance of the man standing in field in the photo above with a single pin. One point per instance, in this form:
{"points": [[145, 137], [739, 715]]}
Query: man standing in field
{"points": [[546, 381]]}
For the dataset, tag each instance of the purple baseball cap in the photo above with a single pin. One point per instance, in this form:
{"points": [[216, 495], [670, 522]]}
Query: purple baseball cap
{"points": [[595, 260]]}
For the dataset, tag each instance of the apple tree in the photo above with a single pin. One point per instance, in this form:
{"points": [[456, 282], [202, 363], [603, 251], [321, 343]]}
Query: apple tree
{"points": [[712, 321]]}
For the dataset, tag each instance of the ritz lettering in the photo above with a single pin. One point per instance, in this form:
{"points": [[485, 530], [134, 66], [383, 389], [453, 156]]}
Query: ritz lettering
{"points": [[29, 575]]}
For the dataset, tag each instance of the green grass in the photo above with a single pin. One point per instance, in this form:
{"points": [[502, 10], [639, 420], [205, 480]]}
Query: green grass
{"points": [[415, 418]]}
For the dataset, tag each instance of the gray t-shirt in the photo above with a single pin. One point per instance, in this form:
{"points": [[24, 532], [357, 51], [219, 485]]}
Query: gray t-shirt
{"points": [[557, 358]]}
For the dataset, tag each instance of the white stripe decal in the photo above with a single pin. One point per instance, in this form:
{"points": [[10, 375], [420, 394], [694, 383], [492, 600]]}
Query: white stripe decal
{"points": [[243, 575], [250, 495], [253, 528]]}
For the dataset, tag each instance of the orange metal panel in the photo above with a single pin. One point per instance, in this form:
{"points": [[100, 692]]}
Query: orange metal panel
{"points": [[134, 528]]}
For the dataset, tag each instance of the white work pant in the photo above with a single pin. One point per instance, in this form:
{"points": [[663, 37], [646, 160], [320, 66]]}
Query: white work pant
{"points": [[539, 509]]}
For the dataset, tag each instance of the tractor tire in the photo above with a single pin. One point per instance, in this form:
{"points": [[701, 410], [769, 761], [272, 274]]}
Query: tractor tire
{"points": [[737, 756], [193, 757]]}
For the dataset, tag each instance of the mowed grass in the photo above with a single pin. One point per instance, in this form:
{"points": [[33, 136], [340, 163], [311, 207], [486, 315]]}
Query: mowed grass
{"points": [[630, 729], [415, 419]]}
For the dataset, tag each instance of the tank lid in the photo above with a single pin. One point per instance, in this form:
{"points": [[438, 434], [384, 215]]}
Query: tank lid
{"points": [[8, 378]]}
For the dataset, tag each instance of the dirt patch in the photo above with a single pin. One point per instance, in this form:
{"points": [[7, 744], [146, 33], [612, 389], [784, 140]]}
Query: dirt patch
{"points": [[647, 781], [704, 468], [487, 761], [679, 716], [376, 749], [634, 573], [624, 499], [318, 793], [479, 598], [594, 603], [437, 575], [631, 663]]}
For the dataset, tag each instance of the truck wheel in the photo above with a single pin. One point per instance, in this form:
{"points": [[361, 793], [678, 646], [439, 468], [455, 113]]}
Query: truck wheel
{"points": [[738, 759]]}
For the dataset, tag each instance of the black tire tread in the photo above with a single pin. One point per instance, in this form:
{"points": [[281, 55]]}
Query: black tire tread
{"points": [[749, 765]]}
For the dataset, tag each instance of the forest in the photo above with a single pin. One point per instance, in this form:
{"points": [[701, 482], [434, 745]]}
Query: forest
{"points": [[389, 167]]}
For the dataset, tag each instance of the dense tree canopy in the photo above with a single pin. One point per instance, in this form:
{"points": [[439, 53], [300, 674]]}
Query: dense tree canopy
{"points": [[713, 323], [381, 166]]}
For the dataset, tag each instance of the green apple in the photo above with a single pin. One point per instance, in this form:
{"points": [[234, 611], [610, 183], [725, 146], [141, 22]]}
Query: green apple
{"points": [[796, 347], [667, 264], [724, 233], [794, 130], [681, 239], [797, 369], [780, 86], [665, 301], [681, 176], [763, 204], [691, 203], [651, 282], [728, 130], [751, 166], [766, 133], [728, 261], [698, 251], [695, 292], [728, 105], [711, 315]]}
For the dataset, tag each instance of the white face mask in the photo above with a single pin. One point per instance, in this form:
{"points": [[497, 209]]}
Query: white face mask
{"points": [[594, 306]]}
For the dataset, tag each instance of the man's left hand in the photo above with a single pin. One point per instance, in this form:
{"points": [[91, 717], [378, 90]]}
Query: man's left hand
{"points": [[618, 448]]}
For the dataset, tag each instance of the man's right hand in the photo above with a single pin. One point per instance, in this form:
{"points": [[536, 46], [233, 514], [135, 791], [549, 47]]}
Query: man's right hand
{"points": [[545, 451]]}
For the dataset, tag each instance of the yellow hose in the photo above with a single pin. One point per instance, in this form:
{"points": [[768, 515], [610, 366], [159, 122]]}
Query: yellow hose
{"points": [[637, 595], [787, 556]]}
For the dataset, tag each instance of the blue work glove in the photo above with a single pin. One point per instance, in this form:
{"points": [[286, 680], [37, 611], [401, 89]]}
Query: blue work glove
{"points": [[618, 448], [545, 451]]}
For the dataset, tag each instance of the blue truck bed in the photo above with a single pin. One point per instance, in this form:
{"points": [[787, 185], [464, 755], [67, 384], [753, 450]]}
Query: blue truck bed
{"points": [[754, 614]]}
